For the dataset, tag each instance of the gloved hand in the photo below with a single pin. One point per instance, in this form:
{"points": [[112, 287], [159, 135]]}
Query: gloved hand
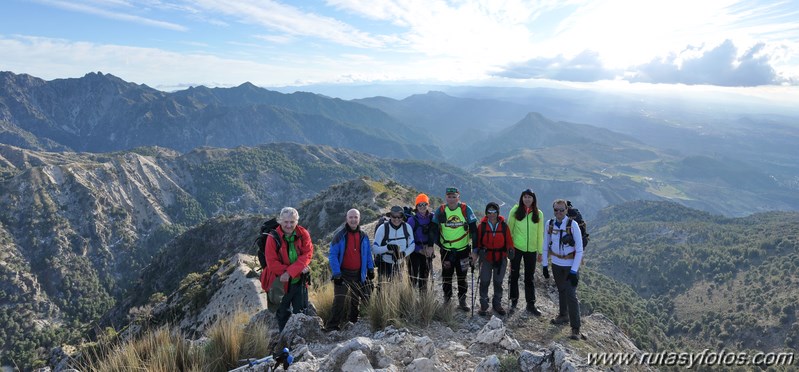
{"points": [[466, 263], [338, 280], [545, 270], [370, 274], [573, 277], [394, 250], [511, 253]]}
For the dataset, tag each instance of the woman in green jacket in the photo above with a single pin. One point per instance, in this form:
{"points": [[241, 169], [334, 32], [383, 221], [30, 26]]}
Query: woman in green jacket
{"points": [[526, 224]]}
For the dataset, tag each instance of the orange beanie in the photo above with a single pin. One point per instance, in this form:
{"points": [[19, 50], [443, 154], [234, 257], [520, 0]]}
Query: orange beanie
{"points": [[422, 198]]}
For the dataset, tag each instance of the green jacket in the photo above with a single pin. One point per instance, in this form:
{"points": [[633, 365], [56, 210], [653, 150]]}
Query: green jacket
{"points": [[528, 236]]}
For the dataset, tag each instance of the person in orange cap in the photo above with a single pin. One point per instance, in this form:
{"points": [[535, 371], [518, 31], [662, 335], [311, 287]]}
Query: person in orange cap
{"points": [[425, 234]]}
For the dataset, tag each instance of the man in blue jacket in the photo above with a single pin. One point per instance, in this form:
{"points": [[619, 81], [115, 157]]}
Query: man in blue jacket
{"points": [[351, 264]]}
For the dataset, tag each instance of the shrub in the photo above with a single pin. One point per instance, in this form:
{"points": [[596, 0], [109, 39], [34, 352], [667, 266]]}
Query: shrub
{"points": [[399, 303]]}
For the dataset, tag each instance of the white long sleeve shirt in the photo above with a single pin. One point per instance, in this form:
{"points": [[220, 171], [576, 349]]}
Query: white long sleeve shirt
{"points": [[552, 244], [395, 236]]}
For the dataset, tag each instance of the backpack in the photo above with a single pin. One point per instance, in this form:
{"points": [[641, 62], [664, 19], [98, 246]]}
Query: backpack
{"points": [[465, 224], [500, 230], [407, 212], [385, 222], [574, 214], [267, 228], [463, 210]]}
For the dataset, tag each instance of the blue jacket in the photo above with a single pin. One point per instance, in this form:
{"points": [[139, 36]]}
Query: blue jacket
{"points": [[339, 245]]}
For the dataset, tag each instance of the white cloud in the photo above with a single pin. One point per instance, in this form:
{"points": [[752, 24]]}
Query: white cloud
{"points": [[54, 58], [113, 14], [292, 21], [718, 65]]}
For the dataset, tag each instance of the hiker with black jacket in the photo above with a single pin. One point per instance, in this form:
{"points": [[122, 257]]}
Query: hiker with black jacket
{"points": [[493, 242], [564, 245], [288, 264], [351, 264], [457, 228], [526, 223]]}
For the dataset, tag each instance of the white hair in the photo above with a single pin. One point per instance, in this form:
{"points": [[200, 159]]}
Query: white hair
{"points": [[289, 212]]}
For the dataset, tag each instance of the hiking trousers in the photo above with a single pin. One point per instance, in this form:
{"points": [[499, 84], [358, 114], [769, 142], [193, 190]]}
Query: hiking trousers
{"points": [[419, 269], [351, 291], [455, 259], [386, 270], [492, 272], [529, 259], [567, 295], [295, 298]]}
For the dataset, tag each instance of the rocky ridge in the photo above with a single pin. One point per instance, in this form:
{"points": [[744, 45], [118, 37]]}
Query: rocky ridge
{"points": [[519, 341]]}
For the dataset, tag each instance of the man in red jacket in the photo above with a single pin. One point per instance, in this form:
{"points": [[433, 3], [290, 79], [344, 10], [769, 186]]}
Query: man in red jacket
{"points": [[493, 242], [286, 261]]}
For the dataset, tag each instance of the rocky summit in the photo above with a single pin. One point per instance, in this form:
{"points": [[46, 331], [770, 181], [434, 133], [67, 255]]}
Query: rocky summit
{"points": [[468, 343]]}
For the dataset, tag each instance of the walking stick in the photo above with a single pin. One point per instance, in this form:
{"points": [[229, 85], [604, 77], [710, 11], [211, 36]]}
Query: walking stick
{"points": [[472, 267]]}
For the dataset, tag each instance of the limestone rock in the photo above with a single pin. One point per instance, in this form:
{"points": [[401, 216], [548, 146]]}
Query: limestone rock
{"points": [[489, 364]]}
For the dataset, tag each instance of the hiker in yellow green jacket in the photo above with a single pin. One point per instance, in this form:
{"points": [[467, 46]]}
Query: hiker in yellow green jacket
{"points": [[526, 223], [458, 227]]}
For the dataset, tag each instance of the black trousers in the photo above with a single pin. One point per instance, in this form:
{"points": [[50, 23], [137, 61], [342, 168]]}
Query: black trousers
{"points": [[385, 270], [529, 259], [419, 268], [452, 262], [295, 298], [567, 295], [352, 290]]}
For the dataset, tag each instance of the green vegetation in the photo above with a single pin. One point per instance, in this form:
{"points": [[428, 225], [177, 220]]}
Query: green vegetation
{"points": [[708, 281]]}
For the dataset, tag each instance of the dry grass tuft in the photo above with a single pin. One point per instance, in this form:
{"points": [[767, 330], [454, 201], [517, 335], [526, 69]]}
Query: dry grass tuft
{"points": [[230, 339], [399, 303]]}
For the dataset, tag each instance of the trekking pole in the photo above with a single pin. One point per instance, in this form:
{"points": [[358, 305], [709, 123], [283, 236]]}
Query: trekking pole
{"points": [[284, 359], [471, 265], [430, 270]]}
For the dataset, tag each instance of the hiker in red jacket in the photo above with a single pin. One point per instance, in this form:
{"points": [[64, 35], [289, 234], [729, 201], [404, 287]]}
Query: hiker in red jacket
{"points": [[288, 263], [491, 251]]}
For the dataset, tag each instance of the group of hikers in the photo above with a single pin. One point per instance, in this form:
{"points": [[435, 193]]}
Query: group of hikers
{"points": [[409, 239]]}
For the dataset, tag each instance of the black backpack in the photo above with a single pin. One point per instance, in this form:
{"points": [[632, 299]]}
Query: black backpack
{"points": [[574, 214], [267, 228], [407, 212]]}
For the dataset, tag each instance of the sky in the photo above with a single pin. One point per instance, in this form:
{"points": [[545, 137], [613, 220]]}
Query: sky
{"points": [[174, 44]]}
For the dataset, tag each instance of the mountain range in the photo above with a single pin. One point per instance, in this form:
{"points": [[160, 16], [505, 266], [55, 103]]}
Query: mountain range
{"points": [[101, 113], [112, 194]]}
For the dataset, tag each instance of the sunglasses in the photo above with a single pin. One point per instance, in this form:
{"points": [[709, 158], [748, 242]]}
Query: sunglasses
{"points": [[491, 211], [396, 217], [560, 209], [422, 204]]}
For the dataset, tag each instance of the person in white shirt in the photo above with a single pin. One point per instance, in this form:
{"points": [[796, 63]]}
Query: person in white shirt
{"points": [[393, 242], [564, 244]]}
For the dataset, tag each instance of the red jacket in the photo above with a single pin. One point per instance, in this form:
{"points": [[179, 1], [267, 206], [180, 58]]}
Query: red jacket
{"points": [[275, 266], [497, 243]]}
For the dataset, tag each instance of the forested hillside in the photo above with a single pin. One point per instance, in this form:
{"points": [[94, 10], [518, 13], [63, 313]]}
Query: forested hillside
{"points": [[711, 281]]}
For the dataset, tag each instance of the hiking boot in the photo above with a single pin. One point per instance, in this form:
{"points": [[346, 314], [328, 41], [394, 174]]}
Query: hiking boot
{"points": [[462, 305], [330, 328], [575, 335], [560, 319], [500, 311], [533, 310], [483, 312]]}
